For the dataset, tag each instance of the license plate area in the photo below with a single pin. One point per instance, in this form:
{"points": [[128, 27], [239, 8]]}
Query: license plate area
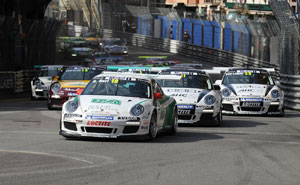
{"points": [[251, 104], [186, 109]]}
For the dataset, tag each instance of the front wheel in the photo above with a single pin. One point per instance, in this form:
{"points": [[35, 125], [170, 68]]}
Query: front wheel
{"points": [[152, 127], [173, 130], [219, 119]]}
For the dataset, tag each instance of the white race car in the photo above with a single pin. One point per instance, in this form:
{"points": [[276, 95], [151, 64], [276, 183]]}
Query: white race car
{"points": [[119, 104], [41, 83], [250, 91], [115, 47], [198, 100]]}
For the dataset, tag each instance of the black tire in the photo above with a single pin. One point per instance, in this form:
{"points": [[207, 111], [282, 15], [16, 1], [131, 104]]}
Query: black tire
{"points": [[50, 107], [152, 128], [173, 130], [281, 112], [219, 119]]}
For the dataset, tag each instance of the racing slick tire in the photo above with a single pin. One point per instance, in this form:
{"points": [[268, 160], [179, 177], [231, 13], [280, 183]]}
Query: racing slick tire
{"points": [[281, 112], [173, 130], [219, 119], [49, 106], [152, 127]]}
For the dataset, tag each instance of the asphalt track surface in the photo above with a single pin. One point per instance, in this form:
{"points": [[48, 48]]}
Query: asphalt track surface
{"points": [[244, 150]]}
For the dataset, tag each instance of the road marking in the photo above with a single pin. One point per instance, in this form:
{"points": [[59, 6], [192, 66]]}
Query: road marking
{"points": [[107, 160], [263, 141], [240, 132], [11, 112]]}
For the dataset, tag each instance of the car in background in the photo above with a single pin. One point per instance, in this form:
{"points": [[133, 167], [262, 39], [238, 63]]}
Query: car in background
{"points": [[64, 42], [189, 65], [251, 91], [66, 85], [115, 47], [78, 50], [41, 82], [157, 61], [117, 104], [198, 100]]}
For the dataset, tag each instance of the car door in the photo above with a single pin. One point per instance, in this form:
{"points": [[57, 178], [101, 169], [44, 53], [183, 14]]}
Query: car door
{"points": [[162, 105]]}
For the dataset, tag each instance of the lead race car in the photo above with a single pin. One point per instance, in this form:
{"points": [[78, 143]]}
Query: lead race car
{"points": [[198, 100], [251, 91], [119, 104]]}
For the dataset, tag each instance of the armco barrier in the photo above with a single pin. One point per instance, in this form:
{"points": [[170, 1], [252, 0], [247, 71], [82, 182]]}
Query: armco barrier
{"points": [[16, 82], [291, 86], [205, 54]]}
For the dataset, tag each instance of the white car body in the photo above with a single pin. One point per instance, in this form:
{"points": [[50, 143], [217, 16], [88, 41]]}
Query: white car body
{"points": [[251, 98], [40, 84], [191, 102], [116, 49], [110, 116]]}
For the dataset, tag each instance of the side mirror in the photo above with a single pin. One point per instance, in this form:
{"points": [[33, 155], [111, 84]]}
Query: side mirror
{"points": [[55, 78], [158, 96], [218, 82], [79, 91], [217, 87]]}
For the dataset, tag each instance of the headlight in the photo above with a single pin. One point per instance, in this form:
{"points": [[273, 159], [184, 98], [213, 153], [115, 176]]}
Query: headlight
{"points": [[72, 106], [275, 94], [38, 83], [137, 110], [226, 92], [209, 100], [55, 88]]}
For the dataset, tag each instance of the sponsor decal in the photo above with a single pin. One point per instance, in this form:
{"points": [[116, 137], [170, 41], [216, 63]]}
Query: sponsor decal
{"points": [[67, 115], [185, 106], [251, 104], [96, 109], [252, 99], [145, 117], [179, 95], [184, 112], [72, 94], [116, 102], [98, 123], [93, 117], [246, 90], [128, 118]]}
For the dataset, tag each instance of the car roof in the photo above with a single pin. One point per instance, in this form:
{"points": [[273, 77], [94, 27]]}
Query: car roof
{"points": [[253, 69], [147, 77], [178, 69]]}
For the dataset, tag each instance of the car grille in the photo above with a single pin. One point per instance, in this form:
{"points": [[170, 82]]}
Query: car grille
{"points": [[56, 101], [273, 108], [227, 107], [185, 117], [39, 93], [98, 130], [130, 129], [70, 126], [206, 116], [257, 109]]}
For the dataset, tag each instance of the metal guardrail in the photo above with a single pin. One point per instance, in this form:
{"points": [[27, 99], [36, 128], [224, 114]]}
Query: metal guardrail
{"points": [[205, 54], [291, 86]]}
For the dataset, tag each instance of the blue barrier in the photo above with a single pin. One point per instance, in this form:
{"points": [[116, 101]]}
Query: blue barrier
{"points": [[216, 34], [208, 34], [197, 32], [187, 26], [227, 38]]}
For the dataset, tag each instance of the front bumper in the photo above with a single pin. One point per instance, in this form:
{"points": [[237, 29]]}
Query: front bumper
{"points": [[103, 129], [202, 113], [266, 107], [40, 92]]}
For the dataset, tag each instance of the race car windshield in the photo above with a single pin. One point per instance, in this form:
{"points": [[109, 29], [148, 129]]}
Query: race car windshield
{"points": [[248, 77], [188, 81], [113, 42], [49, 72], [80, 74], [118, 87]]}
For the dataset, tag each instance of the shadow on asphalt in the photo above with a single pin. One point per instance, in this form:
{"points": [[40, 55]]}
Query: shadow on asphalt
{"points": [[24, 105], [179, 137]]}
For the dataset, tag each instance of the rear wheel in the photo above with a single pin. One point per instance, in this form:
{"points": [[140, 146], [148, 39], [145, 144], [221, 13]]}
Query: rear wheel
{"points": [[152, 127], [50, 107]]}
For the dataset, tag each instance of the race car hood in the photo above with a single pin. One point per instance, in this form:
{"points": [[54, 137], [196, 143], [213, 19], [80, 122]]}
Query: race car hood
{"points": [[46, 80], [74, 83], [184, 95], [248, 89], [110, 105]]}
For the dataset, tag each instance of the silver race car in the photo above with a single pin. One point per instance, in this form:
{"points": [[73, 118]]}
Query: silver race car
{"points": [[251, 91], [198, 100], [41, 83]]}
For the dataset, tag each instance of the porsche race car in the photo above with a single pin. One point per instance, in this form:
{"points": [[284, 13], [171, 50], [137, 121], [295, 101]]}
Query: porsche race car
{"points": [[251, 91], [118, 104], [115, 47], [71, 79], [197, 98], [41, 83]]}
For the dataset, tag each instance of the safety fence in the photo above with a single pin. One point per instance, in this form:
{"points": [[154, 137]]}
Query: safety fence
{"points": [[291, 86], [16, 81], [202, 53]]}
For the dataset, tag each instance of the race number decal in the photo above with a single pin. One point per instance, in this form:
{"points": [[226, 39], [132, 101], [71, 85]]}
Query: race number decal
{"points": [[115, 81]]}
